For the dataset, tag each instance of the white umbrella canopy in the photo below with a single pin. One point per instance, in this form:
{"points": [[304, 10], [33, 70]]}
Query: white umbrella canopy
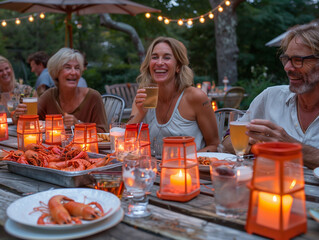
{"points": [[80, 7]]}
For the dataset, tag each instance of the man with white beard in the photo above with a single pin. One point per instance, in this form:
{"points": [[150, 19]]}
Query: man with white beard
{"points": [[290, 113]]}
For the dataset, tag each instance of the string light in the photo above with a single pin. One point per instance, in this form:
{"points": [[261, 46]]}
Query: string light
{"points": [[190, 21], [4, 22]]}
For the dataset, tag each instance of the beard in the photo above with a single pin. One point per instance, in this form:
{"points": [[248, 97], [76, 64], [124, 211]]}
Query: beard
{"points": [[308, 82]]}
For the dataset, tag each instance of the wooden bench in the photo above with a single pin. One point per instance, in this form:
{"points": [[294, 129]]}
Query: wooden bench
{"points": [[125, 90]]}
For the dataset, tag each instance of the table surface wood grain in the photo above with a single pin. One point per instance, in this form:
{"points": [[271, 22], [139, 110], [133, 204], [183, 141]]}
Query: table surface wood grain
{"points": [[195, 219]]}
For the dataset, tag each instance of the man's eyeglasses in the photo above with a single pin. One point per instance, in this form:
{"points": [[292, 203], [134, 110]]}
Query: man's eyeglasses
{"points": [[296, 61]]}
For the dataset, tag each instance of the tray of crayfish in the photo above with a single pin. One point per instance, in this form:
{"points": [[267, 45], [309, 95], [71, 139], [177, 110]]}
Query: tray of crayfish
{"points": [[65, 177]]}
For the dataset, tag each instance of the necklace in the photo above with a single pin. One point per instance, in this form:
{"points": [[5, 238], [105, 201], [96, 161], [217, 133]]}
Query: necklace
{"points": [[169, 107]]}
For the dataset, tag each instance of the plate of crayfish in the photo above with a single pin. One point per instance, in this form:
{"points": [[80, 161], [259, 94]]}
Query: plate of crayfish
{"points": [[77, 207]]}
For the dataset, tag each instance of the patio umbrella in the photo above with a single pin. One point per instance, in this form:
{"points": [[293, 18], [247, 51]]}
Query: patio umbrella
{"points": [[80, 7]]}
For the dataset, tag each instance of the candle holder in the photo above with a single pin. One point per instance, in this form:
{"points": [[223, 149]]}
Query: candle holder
{"points": [[179, 169], [28, 131], [277, 197], [54, 128], [85, 136], [3, 127], [131, 132]]}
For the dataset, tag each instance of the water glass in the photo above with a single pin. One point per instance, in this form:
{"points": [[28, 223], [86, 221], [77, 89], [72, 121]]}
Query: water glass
{"points": [[230, 187], [138, 175]]}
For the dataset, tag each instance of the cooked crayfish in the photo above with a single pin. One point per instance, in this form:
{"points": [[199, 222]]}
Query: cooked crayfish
{"points": [[70, 158], [64, 210]]}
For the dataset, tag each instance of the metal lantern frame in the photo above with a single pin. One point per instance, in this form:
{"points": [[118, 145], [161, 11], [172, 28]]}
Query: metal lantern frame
{"points": [[54, 129], [28, 131], [179, 169], [277, 198], [85, 135], [3, 127]]}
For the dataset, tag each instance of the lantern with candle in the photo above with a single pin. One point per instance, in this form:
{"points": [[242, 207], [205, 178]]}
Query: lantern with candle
{"points": [[85, 136], [54, 127], [3, 127], [143, 140], [214, 105], [179, 174], [277, 198], [28, 131]]}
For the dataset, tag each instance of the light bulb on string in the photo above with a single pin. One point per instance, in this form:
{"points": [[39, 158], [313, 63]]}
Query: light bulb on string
{"points": [[160, 18], [220, 9], [227, 3], [190, 22], [31, 19], [166, 21], [4, 23], [42, 16], [202, 19], [17, 21], [147, 15], [180, 22], [211, 15]]}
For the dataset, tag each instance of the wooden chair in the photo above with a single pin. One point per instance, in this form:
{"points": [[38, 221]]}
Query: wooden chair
{"points": [[114, 108], [222, 115], [233, 97], [127, 91]]}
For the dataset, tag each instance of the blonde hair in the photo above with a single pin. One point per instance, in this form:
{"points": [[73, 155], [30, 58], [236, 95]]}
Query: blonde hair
{"points": [[184, 78], [61, 57], [13, 78], [308, 33]]}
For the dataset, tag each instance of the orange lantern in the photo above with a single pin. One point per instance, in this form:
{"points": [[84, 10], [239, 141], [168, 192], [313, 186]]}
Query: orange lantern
{"points": [[28, 131], [277, 198], [179, 174], [214, 105], [85, 136], [130, 138], [54, 127], [3, 127]]}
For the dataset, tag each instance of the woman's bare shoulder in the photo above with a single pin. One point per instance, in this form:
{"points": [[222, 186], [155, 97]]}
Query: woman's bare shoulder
{"points": [[195, 94]]}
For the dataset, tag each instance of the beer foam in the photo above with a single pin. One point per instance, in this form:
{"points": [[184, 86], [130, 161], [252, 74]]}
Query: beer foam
{"points": [[238, 123], [30, 100]]}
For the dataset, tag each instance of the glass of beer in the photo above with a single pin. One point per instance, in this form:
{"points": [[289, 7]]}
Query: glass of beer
{"points": [[151, 95], [32, 105], [238, 135]]}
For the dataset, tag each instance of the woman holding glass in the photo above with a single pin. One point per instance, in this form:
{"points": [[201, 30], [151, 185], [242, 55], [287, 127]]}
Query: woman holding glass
{"points": [[10, 89], [182, 110], [76, 104]]}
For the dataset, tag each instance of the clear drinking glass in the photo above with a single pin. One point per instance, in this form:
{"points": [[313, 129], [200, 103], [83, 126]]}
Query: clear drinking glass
{"points": [[238, 135], [139, 174], [117, 132], [151, 95]]}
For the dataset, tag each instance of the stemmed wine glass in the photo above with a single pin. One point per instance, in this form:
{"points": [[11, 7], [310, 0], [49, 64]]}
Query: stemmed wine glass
{"points": [[238, 135], [139, 173]]}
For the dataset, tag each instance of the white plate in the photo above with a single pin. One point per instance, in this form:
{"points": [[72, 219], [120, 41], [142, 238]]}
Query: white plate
{"points": [[19, 211], [316, 172], [219, 156], [25, 232]]}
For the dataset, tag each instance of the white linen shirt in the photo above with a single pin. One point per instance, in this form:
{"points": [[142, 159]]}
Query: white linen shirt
{"points": [[278, 104]]}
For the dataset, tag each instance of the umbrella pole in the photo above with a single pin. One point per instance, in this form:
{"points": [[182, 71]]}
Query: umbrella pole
{"points": [[68, 31]]}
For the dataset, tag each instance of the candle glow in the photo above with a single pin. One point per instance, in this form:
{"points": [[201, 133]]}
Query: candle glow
{"points": [[178, 181]]}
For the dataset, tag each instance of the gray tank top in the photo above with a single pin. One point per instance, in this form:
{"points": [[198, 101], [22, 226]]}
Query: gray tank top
{"points": [[176, 126]]}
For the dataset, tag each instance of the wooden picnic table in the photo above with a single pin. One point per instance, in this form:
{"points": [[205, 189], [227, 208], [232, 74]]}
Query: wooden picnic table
{"points": [[195, 219]]}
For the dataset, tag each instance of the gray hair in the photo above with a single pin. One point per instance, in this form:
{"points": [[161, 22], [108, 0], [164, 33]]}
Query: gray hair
{"points": [[60, 58], [308, 33]]}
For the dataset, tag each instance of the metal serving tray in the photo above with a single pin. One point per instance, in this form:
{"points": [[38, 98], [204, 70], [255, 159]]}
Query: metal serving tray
{"points": [[58, 177]]}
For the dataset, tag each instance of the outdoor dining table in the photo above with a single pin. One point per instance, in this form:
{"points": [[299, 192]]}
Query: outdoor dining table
{"points": [[195, 219]]}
